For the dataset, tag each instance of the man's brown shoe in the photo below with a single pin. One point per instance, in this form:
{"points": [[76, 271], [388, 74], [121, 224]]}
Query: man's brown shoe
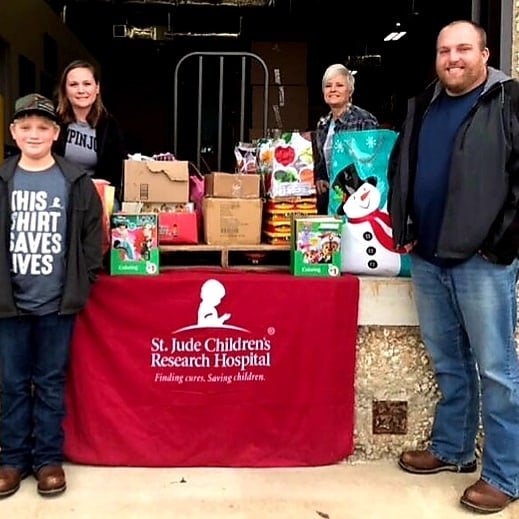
{"points": [[484, 498], [10, 479], [423, 462], [51, 480]]}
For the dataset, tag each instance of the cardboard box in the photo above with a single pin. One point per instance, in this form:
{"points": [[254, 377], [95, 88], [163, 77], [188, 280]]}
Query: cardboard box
{"points": [[316, 246], [232, 185], [134, 244], [178, 228], [287, 107], [156, 181], [232, 221], [286, 62]]}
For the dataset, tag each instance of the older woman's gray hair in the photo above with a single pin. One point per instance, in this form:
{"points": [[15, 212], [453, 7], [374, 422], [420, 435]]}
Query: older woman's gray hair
{"points": [[339, 70]]}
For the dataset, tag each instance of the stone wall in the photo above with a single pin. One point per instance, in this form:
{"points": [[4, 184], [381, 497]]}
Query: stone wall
{"points": [[395, 392], [395, 389]]}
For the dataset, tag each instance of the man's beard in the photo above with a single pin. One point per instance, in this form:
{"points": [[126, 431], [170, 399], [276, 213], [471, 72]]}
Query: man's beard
{"points": [[464, 83]]}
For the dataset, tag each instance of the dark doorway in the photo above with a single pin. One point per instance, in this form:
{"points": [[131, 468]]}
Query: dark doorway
{"points": [[137, 74]]}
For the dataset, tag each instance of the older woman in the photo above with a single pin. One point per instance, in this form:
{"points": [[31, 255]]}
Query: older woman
{"points": [[338, 84]]}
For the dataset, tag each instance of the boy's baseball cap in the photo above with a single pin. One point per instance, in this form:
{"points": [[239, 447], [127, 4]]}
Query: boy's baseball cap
{"points": [[34, 104]]}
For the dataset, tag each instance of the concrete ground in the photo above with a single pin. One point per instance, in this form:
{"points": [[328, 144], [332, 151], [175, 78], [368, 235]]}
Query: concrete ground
{"points": [[378, 490]]}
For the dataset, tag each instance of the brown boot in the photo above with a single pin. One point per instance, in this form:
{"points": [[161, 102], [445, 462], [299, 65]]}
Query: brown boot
{"points": [[484, 498], [423, 462], [10, 479], [51, 480]]}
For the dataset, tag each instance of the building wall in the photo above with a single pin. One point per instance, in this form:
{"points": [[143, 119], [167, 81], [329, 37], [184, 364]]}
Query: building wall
{"points": [[23, 26], [515, 41]]}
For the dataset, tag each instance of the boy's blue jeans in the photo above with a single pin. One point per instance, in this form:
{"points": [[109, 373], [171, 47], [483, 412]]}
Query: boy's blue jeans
{"points": [[34, 354], [468, 317]]}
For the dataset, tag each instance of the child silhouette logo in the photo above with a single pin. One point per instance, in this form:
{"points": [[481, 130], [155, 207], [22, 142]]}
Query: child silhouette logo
{"points": [[56, 204], [212, 293]]}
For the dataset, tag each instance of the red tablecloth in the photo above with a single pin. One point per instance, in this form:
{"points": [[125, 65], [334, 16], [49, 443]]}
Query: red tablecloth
{"points": [[154, 383]]}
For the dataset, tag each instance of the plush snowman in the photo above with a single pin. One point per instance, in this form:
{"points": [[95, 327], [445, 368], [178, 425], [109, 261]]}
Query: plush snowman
{"points": [[367, 243]]}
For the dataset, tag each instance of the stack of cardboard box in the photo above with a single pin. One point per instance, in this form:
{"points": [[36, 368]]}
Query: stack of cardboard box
{"points": [[287, 86], [162, 187], [232, 209], [154, 191]]}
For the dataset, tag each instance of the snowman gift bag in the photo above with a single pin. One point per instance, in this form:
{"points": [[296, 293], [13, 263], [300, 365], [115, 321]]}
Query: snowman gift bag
{"points": [[358, 193]]}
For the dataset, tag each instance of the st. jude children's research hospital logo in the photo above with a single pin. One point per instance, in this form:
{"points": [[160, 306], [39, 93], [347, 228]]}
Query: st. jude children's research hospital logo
{"points": [[211, 295], [213, 343]]}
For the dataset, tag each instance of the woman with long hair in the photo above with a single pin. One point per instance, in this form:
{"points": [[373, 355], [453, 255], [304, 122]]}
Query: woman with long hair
{"points": [[90, 136]]}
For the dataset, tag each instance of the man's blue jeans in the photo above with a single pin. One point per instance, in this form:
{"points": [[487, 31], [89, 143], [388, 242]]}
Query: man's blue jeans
{"points": [[34, 354], [467, 317]]}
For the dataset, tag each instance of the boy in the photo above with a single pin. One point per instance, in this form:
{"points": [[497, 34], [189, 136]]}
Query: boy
{"points": [[50, 231]]}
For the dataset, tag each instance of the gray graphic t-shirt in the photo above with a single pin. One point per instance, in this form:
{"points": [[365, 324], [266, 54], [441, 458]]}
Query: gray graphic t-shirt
{"points": [[37, 241], [81, 146]]}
